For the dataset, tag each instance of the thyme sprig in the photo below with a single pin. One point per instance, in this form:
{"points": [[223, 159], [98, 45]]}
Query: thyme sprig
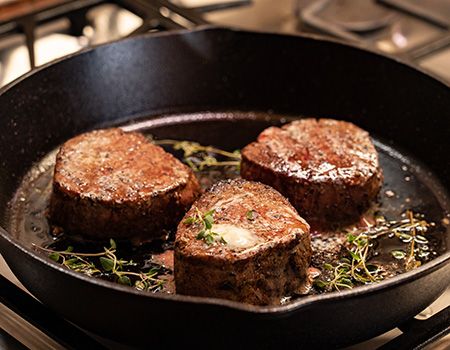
{"points": [[354, 267], [107, 264], [205, 222], [200, 157]]}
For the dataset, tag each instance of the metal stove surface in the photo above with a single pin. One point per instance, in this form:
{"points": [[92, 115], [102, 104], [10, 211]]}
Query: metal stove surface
{"points": [[386, 29], [425, 42]]}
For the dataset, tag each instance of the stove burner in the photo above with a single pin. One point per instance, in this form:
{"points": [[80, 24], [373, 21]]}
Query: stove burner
{"points": [[404, 27], [351, 15], [436, 11]]}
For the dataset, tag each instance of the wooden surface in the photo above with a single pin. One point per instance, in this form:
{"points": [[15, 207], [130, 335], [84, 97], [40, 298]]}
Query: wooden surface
{"points": [[18, 8]]}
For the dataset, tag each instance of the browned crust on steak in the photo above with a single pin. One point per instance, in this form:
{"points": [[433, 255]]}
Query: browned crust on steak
{"points": [[328, 169], [272, 267], [111, 183]]}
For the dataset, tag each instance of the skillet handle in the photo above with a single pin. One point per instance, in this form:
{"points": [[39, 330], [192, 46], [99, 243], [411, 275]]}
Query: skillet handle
{"points": [[418, 334], [44, 319]]}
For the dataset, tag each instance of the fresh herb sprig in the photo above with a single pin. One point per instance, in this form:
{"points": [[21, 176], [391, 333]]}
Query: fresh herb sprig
{"points": [[354, 267], [205, 222], [200, 157], [107, 264]]}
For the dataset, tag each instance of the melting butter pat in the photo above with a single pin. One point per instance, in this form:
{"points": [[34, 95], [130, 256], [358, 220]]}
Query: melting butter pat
{"points": [[235, 236]]}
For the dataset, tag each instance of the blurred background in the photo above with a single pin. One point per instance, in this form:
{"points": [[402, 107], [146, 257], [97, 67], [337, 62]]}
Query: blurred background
{"points": [[34, 32]]}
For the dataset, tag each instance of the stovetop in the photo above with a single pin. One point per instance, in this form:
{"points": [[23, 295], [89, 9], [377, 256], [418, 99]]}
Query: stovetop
{"points": [[404, 28], [34, 32]]}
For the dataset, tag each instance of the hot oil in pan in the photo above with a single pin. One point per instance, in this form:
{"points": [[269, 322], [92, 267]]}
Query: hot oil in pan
{"points": [[407, 186]]}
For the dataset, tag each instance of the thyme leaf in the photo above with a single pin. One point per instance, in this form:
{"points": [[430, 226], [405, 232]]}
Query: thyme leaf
{"points": [[54, 256], [398, 254], [123, 279], [107, 264]]}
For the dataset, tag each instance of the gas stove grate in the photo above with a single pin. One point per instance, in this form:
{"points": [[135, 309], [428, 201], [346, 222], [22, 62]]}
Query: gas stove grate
{"points": [[372, 22], [156, 15]]}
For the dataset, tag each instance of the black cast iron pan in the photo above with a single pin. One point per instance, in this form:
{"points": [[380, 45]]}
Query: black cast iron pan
{"points": [[138, 80]]}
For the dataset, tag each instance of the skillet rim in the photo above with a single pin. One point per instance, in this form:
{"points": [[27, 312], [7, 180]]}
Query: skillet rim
{"points": [[232, 29], [298, 304]]}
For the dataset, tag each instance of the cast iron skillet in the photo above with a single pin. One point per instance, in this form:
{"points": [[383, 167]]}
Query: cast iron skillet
{"points": [[222, 69]]}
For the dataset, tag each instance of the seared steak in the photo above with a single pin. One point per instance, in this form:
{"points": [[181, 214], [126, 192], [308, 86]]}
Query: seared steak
{"points": [[257, 250], [328, 169], [109, 183]]}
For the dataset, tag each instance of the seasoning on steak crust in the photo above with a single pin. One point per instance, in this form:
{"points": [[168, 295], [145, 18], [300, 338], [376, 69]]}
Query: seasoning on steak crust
{"points": [[328, 169], [261, 248], [111, 183]]}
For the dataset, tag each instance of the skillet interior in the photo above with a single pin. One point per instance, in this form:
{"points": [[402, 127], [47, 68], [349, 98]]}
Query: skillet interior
{"points": [[410, 184], [218, 69]]}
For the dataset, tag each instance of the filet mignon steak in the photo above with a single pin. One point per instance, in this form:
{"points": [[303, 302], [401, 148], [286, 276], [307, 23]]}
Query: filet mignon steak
{"points": [[328, 169], [257, 248], [111, 183]]}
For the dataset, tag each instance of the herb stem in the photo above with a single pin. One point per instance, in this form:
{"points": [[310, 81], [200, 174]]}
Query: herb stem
{"points": [[411, 261], [65, 252], [198, 147]]}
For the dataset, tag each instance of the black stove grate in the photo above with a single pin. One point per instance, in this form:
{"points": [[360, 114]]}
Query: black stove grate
{"points": [[342, 23], [156, 15]]}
